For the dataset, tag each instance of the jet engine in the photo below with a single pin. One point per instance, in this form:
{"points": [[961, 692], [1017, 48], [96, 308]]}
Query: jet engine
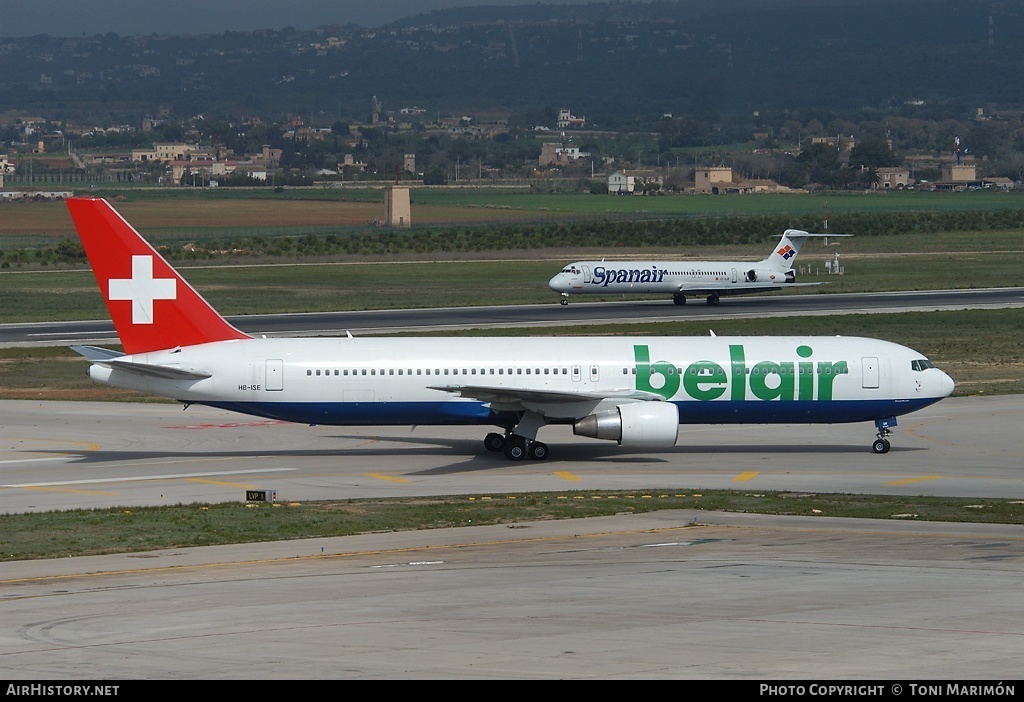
{"points": [[640, 424], [762, 275]]}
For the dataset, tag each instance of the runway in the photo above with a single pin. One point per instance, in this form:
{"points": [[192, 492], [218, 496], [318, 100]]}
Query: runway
{"points": [[577, 313]]}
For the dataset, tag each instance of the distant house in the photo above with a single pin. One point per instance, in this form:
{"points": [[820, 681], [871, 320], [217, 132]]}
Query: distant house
{"points": [[712, 179], [566, 120], [842, 144], [552, 153], [619, 182], [891, 179], [959, 172], [719, 180], [998, 183]]}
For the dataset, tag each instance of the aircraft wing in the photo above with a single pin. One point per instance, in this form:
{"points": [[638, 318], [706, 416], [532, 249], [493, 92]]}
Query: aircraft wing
{"points": [[113, 360], [527, 398], [737, 289]]}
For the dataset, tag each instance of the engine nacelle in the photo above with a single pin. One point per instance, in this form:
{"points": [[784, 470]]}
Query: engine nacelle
{"points": [[640, 424], [762, 275]]}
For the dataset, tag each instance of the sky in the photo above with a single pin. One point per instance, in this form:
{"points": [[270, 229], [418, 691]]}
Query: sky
{"points": [[74, 18]]}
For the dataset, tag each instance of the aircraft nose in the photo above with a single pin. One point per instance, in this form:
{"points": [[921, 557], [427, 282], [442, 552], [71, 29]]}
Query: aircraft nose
{"points": [[946, 385], [559, 283]]}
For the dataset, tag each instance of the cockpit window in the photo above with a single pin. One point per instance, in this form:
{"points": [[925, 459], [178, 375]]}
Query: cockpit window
{"points": [[920, 364]]}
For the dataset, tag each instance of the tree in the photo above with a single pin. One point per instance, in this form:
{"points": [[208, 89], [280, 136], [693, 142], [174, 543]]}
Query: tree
{"points": [[436, 176], [873, 153]]}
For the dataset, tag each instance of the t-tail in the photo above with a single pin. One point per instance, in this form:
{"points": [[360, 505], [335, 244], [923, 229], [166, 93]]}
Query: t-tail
{"points": [[152, 307], [785, 252]]}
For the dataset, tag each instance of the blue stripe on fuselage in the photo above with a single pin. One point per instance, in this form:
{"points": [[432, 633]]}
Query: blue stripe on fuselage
{"points": [[478, 413]]}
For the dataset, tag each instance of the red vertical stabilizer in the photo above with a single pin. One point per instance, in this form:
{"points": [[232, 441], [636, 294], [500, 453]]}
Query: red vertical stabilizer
{"points": [[152, 307]]}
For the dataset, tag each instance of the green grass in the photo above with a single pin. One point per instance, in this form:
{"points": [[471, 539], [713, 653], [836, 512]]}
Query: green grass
{"points": [[718, 205], [896, 262], [136, 529]]}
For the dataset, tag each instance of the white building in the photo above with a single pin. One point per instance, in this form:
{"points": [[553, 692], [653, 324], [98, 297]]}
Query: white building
{"points": [[619, 182]]}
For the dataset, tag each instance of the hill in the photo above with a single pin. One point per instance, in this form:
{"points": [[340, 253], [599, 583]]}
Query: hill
{"points": [[620, 64]]}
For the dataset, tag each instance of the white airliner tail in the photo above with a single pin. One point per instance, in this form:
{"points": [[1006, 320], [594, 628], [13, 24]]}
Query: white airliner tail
{"points": [[781, 259]]}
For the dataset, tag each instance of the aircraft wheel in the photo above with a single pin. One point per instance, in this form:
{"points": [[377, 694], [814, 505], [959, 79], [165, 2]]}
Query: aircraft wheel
{"points": [[881, 446], [679, 299], [494, 442], [515, 448], [713, 299], [564, 301], [538, 451]]}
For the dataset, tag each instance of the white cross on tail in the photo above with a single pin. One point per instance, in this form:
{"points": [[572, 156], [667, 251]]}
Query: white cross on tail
{"points": [[142, 289]]}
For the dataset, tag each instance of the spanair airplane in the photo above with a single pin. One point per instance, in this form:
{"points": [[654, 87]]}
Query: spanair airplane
{"points": [[682, 278], [632, 390]]}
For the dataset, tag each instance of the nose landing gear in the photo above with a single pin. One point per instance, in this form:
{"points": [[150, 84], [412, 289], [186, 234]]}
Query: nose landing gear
{"points": [[881, 443]]}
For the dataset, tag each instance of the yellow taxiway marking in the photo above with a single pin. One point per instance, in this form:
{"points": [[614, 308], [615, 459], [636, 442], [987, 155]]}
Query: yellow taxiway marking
{"points": [[908, 481], [746, 475], [389, 478], [566, 475]]}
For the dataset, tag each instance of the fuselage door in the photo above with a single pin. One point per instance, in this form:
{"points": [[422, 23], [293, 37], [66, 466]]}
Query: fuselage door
{"points": [[869, 368], [577, 374], [586, 274], [595, 373], [275, 374], [733, 277]]}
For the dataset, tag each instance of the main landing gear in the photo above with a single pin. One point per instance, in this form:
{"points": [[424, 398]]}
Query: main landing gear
{"points": [[516, 447], [679, 299], [881, 443], [713, 299]]}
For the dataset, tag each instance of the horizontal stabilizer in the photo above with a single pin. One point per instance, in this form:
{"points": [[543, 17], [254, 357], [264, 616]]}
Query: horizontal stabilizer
{"points": [[95, 353], [155, 371], [795, 233], [113, 360]]}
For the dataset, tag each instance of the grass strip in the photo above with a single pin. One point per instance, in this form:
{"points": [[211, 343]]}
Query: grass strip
{"points": [[137, 529]]}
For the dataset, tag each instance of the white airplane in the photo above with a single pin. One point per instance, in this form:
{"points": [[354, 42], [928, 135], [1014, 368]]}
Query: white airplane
{"points": [[631, 390], [682, 278]]}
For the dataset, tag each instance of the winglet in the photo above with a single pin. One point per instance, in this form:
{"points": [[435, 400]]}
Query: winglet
{"points": [[152, 307]]}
